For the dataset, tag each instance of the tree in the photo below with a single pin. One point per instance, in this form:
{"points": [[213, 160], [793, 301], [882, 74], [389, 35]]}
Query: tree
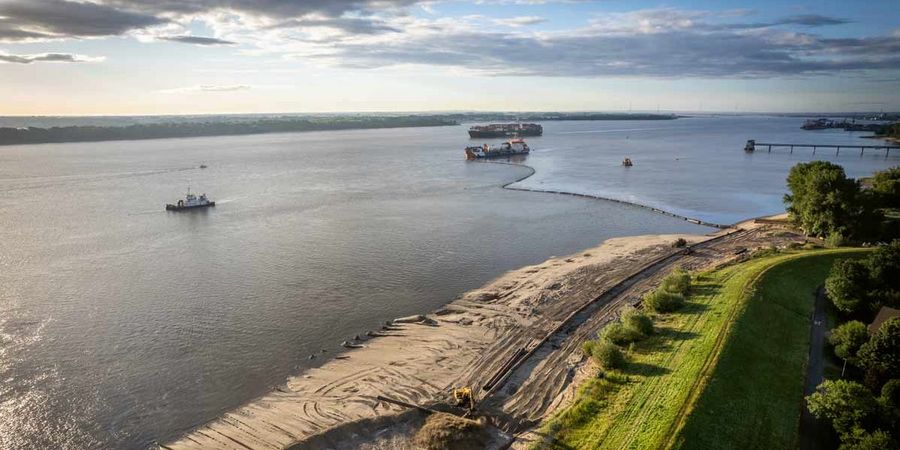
{"points": [[863, 440], [848, 285], [886, 187], [822, 200], [848, 405], [848, 338], [890, 404], [884, 268], [881, 355]]}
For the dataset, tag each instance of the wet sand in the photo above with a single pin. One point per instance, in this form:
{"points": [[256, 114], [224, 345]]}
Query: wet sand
{"points": [[545, 310]]}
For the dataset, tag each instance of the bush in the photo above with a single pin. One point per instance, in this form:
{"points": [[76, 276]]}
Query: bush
{"points": [[663, 301], [607, 354], [618, 333], [848, 338], [834, 240], [637, 322], [680, 242], [678, 281], [847, 286]]}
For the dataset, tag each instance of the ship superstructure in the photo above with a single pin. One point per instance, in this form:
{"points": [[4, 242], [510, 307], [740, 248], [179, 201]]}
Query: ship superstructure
{"points": [[190, 201], [508, 148], [500, 130]]}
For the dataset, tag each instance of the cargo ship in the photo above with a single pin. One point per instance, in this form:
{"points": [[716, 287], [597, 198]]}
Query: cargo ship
{"points": [[190, 201], [508, 148], [500, 130]]}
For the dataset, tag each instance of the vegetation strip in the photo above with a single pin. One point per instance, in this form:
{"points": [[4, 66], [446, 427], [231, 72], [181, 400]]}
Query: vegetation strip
{"points": [[642, 403]]}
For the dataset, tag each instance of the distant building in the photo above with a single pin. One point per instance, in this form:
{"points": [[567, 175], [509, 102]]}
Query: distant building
{"points": [[884, 314]]}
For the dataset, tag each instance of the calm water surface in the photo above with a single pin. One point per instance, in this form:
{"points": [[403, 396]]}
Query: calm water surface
{"points": [[121, 324]]}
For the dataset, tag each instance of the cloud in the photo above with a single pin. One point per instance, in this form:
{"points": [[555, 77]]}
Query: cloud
{"points": [[347, 25], [196, 40], [207, 88], [24, 19], [812, 20], [520, 21], [651, 43], [47, 57]]}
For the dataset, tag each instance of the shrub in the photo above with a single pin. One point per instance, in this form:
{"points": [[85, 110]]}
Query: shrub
{"points": [[834, 240], [680, 242], [678, 281], [607, 354], [618, 333], [848, 338], [662, 301], [637, 322]]}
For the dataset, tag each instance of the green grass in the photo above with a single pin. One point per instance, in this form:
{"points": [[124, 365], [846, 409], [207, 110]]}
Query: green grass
{"points": [[722, 372]]}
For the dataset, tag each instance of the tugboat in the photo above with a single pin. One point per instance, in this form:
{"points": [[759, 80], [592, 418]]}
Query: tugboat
{"points": [[511, 147], [190, 201]]}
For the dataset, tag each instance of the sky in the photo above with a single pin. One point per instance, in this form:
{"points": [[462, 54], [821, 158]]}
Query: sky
{"points": [[117, 57]]}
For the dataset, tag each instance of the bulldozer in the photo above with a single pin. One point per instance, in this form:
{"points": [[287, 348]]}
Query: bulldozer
{"points": [[464, 398]]}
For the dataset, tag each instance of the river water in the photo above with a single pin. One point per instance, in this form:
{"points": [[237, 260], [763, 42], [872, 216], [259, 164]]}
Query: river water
{"points": [[122, 324]]}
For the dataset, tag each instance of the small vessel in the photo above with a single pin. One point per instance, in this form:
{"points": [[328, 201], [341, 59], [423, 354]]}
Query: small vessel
{"points": [[511, 147], [190, 201], [627, 162], [751, 146], [202, 166], [500, 130]]}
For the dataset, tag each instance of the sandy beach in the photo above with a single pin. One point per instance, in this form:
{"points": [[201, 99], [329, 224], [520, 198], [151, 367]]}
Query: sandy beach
{"points": [[543, 310]]}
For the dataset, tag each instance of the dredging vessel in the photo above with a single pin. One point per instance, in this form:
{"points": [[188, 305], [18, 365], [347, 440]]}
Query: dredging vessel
{"points": [[509, 148], [190, 201], [500, 130]]}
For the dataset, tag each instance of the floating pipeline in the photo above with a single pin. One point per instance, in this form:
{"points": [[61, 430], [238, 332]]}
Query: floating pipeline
{"points": [[598, 197]]}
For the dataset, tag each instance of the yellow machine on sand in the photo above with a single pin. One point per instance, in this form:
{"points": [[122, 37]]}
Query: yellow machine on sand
{"points": [[464, 398]]}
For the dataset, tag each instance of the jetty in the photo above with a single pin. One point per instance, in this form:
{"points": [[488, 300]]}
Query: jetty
{"points": [[752, 146]]}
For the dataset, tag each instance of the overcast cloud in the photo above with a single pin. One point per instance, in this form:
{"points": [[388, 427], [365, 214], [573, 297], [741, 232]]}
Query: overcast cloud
{"points": [[663, 42]]}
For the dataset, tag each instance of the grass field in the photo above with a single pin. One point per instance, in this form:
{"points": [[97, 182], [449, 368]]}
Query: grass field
{"points": [[726, 371]]}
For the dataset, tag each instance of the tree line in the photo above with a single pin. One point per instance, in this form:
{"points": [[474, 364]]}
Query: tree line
{"points": [[34, 135], [863, 406]]}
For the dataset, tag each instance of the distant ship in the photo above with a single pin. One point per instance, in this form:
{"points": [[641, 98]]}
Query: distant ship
{"points": [[500, 130], [817, 124], [508, 148], [190, 201]]}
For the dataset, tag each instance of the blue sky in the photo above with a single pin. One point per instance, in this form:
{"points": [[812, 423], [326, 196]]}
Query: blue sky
{"points": [[62, 57]]}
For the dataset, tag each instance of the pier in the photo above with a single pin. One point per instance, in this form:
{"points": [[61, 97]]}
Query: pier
{"points": [[752, 146]]}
